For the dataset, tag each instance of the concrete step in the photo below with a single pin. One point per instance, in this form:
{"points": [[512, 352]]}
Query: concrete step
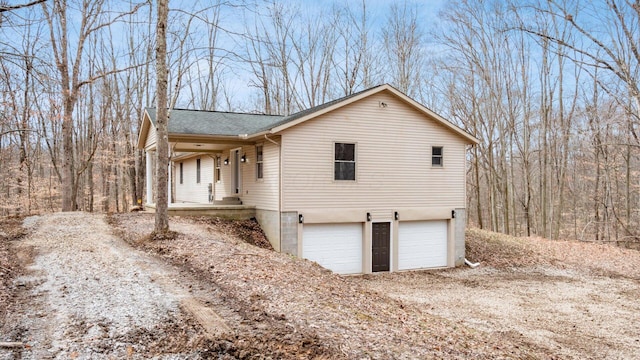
{"points": [[229, 200]]}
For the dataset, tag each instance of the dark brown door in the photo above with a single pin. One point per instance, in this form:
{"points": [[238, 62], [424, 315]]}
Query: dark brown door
{"points": [[380, 246]]}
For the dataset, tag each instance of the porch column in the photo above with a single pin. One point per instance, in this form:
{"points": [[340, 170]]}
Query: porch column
{"points": [[149, 178], [169, 184]]}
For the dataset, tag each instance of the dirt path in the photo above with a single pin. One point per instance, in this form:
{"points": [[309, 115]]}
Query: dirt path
{"points": [[575, 313], [87, 294]]}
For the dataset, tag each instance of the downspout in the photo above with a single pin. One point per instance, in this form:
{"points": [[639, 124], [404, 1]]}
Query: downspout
{"points": [[271, 140], [470, 264]]}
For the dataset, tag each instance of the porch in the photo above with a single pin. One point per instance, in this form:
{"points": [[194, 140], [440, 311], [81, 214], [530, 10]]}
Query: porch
{"points": [[234, 212]]}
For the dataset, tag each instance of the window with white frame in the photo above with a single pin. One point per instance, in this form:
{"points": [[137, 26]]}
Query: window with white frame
{"points": [[344, 161], [436, 156], [218, 170], [198, 171], [259, 162]]}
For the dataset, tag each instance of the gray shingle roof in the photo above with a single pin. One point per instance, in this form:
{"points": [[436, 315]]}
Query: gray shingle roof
{"points": [[309, 111], [200, 122]]}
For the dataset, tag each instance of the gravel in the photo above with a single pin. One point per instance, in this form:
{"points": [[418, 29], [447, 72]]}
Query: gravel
{"points": [[87, 293], [576, 312]]}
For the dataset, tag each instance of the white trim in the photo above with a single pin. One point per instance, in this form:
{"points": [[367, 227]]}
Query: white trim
{"points": [[355, 161], [259, 162], [217, 169], [169, 183], [149, 177], [441, 166]]}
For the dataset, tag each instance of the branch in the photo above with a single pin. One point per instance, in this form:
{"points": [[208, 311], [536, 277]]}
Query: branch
{"points": [[4, 8], [117, 18], [105, 74], [15, 130]]}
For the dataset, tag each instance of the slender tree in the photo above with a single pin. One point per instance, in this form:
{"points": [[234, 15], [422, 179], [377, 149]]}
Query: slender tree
{"points": [[162, 118]]}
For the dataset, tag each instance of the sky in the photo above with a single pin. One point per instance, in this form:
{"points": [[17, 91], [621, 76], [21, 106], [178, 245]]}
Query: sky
{"points": [[235, 20]]}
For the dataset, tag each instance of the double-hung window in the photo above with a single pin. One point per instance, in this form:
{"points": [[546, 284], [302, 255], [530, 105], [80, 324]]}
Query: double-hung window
{"points": [[198, 171], [344, 161], [218, 172], [259, 162], [436, 156]]}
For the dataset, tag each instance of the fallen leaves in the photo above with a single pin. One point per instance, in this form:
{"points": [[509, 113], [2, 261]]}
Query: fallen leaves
{"points": [[292, 308], [504, 251], [10, 230]]}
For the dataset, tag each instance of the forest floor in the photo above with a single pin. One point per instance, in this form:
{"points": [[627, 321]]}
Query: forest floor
{"points": [[87, 286]]}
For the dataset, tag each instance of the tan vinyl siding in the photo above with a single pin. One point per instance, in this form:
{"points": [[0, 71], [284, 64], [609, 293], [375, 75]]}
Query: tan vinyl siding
{"points": [[393, 159], [190, 190], [151, 137], [261, 193]]}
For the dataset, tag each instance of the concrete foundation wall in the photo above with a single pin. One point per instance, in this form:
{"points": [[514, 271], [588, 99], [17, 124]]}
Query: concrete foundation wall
{"points": [[289, 232], [459, 232], [269, 221]]}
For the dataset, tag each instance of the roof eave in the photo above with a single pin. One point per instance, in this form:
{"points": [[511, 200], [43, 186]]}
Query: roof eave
{"points": [[206, 138], [451, 126], [459, 131], [329, 109], [142, 134]]}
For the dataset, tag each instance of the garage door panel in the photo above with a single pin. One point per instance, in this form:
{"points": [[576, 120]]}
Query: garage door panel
{"points": [[337, 247], [422, 244]]}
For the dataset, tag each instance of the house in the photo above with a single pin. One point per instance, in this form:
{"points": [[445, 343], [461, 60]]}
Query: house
{"points": [[370, 182]]}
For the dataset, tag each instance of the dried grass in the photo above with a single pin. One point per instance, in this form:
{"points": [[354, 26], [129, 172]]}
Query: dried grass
{"points": [[504, 251]]}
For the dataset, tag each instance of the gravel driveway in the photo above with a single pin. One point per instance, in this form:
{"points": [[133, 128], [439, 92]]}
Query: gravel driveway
{"points": [[88, 295], [575, 313]]}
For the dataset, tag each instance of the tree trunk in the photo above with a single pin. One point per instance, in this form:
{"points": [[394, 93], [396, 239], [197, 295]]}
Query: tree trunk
{"points": [[162, 152], [67, 156]]}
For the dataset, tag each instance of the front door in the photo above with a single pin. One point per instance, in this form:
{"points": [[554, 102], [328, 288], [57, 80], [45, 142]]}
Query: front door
{"points": [[236, 172], [380, 246]]}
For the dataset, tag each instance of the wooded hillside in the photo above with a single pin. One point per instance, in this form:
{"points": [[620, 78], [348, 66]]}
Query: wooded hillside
{"points": [[549, 87]]}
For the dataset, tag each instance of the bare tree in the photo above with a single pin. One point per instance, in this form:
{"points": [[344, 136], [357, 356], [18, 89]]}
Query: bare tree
{"points": [[403, 41], [354, 61], [162, 118], [69, 69], [4, 7]]}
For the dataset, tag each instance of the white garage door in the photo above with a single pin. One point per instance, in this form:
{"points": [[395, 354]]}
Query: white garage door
{"points": [[337, 247], [422, 244]]}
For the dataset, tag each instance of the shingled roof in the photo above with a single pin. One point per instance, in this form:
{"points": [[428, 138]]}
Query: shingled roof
{"points": [[200, 122], [216, 123]]}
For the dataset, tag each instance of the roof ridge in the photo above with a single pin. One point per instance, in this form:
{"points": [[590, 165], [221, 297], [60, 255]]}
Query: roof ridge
{"points": [[219, 112]]}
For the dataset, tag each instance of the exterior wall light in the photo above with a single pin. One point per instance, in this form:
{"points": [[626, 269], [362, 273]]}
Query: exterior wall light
{"points": [[368, 216], [300, 219], [243, 159], [453, 214], [396, 216], [226, 161]]}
